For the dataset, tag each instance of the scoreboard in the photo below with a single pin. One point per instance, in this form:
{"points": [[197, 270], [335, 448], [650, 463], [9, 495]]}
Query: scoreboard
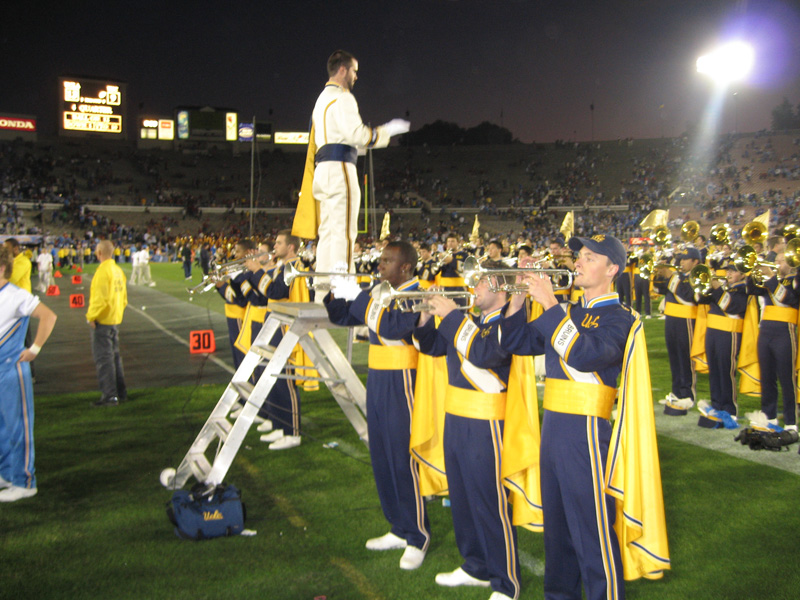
{"points": [[92, 106]]}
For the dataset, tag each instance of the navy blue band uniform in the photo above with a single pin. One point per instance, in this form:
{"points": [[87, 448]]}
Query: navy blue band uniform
{"points": [[235, 309], [262, 289], [724, 325], [390, 402], [680, 309], [777, 345], [584, 347], [478, 370]]}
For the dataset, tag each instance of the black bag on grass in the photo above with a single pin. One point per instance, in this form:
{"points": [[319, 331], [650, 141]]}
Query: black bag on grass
{"points": [[207, 512]]}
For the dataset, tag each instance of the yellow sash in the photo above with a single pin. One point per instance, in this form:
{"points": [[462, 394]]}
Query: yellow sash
{"points": [[579, 398], [392, 358], [474, 404]]}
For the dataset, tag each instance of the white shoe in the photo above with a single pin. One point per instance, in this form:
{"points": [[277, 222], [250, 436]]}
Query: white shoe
{"points": [[459, 577], [272, 436], [790, 428], [265, 427], [499, 596], [4, 484], [412, 558], [14, 492], [286, 442], [389, 541]]}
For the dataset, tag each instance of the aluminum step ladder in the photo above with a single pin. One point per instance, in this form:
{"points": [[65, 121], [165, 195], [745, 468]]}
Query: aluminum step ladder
{"points": [[303, 319]]}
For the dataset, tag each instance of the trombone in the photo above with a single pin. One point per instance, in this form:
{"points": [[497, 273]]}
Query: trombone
{"points": [[290, 273], [416, 301], [746, 260], [754, 232], [689, 231], [474, 272], [720, 234]]}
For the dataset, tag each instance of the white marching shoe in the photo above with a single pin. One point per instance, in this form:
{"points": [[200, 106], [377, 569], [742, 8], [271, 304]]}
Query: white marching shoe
{"points": [[272, 436], [285, 442], [460, 577], [14, 492], [389, 541], [265, 427], [412, 558], [499, 596]]}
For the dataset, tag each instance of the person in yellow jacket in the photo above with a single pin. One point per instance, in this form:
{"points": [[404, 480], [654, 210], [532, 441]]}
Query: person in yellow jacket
{"points": [[21, 271], [107, 301]]}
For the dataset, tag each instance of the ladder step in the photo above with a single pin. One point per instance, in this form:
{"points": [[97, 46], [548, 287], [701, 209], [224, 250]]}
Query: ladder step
{"points": [[266, 352], [243, 388], [222, 427]]}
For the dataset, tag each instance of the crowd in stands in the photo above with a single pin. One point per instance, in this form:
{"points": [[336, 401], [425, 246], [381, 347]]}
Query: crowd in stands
{"points": [[516, 189]]}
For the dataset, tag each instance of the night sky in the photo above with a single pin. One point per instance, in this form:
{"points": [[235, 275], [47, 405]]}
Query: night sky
{"points": [[534, 67]]}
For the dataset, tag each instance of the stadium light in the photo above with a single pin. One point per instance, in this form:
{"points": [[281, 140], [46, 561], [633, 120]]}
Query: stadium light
{"points": [[728, 63]]}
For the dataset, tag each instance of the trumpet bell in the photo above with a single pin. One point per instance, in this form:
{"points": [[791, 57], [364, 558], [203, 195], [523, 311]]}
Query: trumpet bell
{"points": [[790, 232], [754, 232], [792, 253]]}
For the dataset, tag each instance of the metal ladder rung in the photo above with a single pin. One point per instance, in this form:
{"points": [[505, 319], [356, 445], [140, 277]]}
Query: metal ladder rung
{"points": [[266, 352], [222, 427], [309, 378], [243, 388]]}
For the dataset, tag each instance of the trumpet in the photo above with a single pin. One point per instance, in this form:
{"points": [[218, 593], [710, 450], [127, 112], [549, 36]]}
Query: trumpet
{"points": [[440, 261], [415, 301], [700, 278], [746, 260], [290, 273], [225, 271], [474, 272]]}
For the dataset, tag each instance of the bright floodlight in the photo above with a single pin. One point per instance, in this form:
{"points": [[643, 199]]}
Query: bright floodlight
{"points": [[731, 62]]}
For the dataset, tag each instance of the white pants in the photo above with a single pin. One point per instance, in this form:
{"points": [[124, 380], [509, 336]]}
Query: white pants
{"points": [[339, 195]]}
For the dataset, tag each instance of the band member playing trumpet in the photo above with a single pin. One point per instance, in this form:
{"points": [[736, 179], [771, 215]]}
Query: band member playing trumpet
{"points": [[777, 341], [390, 401], [723, 339], [681, 311], [451, 275], [478, 372], [235, 302], [587, 345]]}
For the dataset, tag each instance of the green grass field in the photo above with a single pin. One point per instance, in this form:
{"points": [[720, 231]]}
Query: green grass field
{"points": [[98, 528]]}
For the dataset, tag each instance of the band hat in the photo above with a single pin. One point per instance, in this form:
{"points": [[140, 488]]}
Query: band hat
{"points": [[689, 253], [607, 245]]}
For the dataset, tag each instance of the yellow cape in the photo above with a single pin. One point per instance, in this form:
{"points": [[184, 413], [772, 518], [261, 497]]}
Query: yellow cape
{"points": [[427, 424], [698, 350], [750, 372], [306, 216], [633, 473]]}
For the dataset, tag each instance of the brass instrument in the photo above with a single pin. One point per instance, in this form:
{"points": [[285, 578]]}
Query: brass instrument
{"points": [[790, 232], [700, 278], [646, 266], [689, 231], [415, 301], [474, 272], [754, 232], [661, 235], [290, 273], [225, 271], [746, 260], [440, 261], [720, 234]]}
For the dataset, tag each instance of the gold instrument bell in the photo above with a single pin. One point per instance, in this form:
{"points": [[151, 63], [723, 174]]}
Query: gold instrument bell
{"points": [[700, 278], [790, 232], [661, 235], [720, 234], [754, 232], [689, 231]]}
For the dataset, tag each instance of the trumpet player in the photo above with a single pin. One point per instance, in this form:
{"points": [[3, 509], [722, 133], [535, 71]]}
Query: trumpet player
{"points": [[724, 327], [680, 310], [390, 400], [235, 302], [587, 344], [450, 275], [478, 370], [777, 342], [265, 286], [426, 269]]}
